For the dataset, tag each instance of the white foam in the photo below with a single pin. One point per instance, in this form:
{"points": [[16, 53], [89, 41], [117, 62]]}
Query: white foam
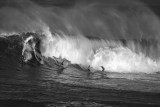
{"points": [[113, 56]]}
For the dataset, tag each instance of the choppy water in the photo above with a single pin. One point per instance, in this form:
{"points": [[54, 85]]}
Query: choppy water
{"points": [[122, 36], [50, 85]]}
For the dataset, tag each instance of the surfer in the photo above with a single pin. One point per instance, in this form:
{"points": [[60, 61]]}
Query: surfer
{"points": [[88, 71], [103, 72], [62, 61]]}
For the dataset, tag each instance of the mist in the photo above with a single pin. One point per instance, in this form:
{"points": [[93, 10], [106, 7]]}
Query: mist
{"points": [[96, 33], [103, 18]]}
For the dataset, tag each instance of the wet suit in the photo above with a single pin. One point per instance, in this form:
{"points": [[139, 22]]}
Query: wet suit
{"points": [[88, 72], [103, 72]]}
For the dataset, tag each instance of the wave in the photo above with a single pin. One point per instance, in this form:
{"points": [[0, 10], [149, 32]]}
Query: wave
{"points": [[119, 36], [123, 56], [131, 56], [11, 47]]}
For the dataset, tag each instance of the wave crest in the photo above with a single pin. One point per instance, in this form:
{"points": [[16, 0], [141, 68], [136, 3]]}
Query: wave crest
{"points": [[113, 55]]}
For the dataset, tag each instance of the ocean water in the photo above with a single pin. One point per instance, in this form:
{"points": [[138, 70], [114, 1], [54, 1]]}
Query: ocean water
{"points": [[123, 37], [51, 85]]}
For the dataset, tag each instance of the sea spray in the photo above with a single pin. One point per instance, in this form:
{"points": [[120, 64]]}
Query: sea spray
{"points": [[66, 29], [112, 55]]}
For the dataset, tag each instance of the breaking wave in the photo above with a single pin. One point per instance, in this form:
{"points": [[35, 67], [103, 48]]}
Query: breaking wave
{"points": [[113, 55], [120, 36]]}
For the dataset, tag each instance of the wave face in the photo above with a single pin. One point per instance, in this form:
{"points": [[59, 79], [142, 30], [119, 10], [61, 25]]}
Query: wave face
{"points": [[120, 36], [113, 55]]}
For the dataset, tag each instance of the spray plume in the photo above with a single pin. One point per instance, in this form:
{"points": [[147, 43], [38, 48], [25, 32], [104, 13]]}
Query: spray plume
{"points": [[121, 36]]}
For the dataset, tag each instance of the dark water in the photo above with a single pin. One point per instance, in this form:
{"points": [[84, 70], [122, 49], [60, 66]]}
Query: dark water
{"points": [[51, 85]]}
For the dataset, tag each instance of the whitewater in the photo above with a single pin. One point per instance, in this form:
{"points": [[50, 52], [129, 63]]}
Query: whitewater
{"points": [[111, 54], [119, 36], [79, 53]]}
